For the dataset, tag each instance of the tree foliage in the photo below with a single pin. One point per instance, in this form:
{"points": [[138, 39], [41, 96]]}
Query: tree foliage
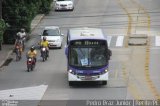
{"points": [[20, 13], [2, 28]]}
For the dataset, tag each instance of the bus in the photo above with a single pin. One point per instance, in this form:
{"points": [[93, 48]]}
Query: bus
{"points": [[87, 55]]}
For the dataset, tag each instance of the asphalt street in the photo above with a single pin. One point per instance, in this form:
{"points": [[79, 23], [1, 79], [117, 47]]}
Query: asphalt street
{"points": [[134, 70]]}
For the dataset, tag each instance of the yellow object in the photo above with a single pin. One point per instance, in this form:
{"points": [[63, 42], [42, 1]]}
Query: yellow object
{"points": [[45, 43], [32, 54]]}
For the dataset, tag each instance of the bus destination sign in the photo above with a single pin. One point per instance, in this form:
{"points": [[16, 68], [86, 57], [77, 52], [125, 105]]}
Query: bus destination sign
{"points": [[87, 43]]}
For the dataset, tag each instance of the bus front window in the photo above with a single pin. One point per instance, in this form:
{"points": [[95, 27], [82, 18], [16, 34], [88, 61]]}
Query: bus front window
{"points": [[88, 57]]}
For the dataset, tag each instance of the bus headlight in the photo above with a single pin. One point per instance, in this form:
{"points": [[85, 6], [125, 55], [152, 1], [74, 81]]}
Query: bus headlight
{"points": [[106, 70], [70, 71]]}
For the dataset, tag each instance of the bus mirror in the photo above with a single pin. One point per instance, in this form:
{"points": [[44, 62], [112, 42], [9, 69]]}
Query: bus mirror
{"points": [[109, 52], [66, 50]]}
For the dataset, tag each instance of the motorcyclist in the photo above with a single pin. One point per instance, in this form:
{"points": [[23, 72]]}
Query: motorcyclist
{"points": [[22, 33], [17, 41], [21, 36], [32, 53], [45, 43], [18, 45]]}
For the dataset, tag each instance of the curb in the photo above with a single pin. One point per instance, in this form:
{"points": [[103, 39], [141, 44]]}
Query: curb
{"points": [[34, 26], [10, 52]]}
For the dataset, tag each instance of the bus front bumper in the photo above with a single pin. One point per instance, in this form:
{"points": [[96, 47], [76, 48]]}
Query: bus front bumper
{"points": [[72, 77]]}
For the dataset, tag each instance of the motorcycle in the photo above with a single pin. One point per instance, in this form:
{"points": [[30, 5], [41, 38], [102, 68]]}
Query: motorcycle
{"points": [[44, 54], [30, 64], [21, 40], [22, 43], [18, 53]]}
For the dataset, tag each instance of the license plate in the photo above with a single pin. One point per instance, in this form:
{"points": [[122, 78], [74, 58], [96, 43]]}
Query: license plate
{"points": [[51, 44], [88, 77], [29, 63], [63, 8]]}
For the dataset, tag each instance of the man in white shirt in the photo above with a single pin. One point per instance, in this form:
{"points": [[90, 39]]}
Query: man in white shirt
{"points": [[21, 36]]}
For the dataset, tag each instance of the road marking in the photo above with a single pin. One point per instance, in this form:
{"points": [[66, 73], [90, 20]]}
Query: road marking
{"points": [[135, 92], [109, 40], [132, 87], [150, 83], [116, 74], [129, 18], [145, 12], [28, 93], [157, 40], [119, 42], [148, 80], [129, 21]]}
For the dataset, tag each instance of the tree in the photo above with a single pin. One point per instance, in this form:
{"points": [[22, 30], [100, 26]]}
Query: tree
{"points": [[20, 13], [2, 29]]}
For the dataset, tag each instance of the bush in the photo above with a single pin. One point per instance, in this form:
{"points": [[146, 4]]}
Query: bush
{"points": [[20, 14], [9, 35], [45, 6], [2, 28]]}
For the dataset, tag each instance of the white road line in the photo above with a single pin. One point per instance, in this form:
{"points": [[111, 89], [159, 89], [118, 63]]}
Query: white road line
{"points": [[109, 40], [119, 42], [116, 74], [157, 40], [28, 93]]}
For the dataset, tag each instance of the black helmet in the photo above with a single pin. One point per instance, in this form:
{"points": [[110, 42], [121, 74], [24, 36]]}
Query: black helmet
{"points": [[32, 48], [44, 38]]}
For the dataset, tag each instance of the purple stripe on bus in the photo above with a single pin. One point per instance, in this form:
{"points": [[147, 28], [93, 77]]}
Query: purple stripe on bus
{"points": [[88, 72]]}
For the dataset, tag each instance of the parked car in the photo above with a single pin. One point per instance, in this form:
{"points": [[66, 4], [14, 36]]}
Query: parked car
{"points": [[64, 5], [53, 35]]}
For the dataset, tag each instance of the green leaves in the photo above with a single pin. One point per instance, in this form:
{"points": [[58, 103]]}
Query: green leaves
{"points": [[2, 25], [2, 28], [19, 13]]}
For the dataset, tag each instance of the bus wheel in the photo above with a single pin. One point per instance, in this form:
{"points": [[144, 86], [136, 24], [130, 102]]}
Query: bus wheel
{"points": [[104, 82]]}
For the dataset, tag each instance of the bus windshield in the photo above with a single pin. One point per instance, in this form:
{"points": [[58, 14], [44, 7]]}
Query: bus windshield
{"points": [[88, 56]]}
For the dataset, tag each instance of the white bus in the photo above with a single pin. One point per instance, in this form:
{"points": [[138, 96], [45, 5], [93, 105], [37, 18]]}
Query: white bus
{"points": [[87, 55]]}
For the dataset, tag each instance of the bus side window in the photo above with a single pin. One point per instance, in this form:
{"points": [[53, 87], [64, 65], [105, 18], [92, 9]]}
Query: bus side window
{"points": [[75, 56], [66, 50]]}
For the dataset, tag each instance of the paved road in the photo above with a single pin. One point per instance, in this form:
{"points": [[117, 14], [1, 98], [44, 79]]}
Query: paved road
{"points": [[129, 77]]}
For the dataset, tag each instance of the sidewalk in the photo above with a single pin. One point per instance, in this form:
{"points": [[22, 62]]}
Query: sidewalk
{"points": [[7, 49]]}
